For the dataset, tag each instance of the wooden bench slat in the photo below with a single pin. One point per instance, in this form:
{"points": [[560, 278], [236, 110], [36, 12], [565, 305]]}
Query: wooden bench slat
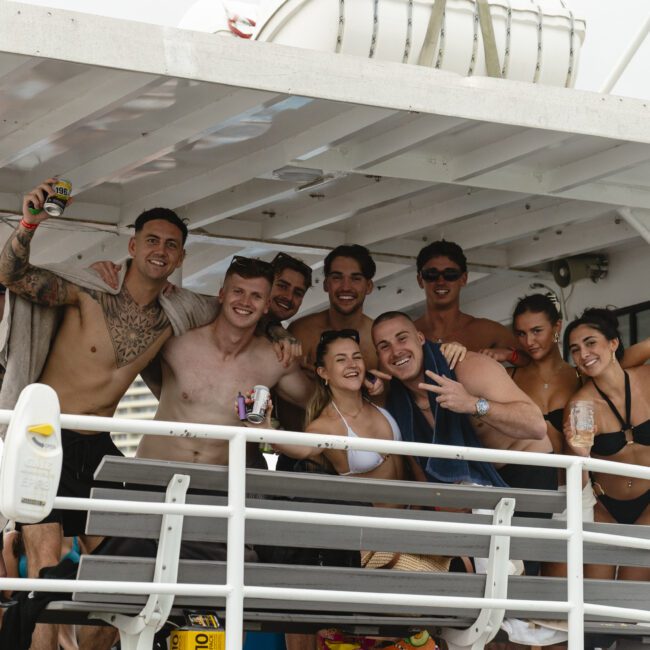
{"points": [[322, 486], [204, 529], [627, 594]]}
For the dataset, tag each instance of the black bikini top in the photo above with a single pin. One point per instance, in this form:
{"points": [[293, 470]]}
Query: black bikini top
{"points": [[556, 418], [608, 444]]}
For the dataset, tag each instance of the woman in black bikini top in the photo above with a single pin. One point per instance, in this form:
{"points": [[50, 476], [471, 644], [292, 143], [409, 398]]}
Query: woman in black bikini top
{"points": [[548, 380], [622, 424]]}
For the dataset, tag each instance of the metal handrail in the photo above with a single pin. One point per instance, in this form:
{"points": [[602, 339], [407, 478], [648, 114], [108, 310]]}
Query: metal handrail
{"points": [[236, 512]]}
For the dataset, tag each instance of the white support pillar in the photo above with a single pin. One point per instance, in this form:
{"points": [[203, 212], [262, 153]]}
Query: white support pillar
{"points": [[625, 59], [236, 531], [575, 590]]}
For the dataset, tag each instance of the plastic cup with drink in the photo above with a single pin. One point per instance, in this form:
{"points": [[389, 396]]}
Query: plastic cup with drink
{"points": [[582, 419]]}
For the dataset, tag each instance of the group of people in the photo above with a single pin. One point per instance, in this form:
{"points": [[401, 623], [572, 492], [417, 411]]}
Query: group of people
{"points": [[437, 379]]}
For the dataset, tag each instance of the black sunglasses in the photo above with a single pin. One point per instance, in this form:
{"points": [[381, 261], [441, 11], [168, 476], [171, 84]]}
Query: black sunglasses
{"points": [[432, 275], [283, 261], [331, 335], [252, 267]]}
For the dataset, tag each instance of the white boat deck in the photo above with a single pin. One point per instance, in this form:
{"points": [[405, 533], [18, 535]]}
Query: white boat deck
{"points": [[265, 148]]}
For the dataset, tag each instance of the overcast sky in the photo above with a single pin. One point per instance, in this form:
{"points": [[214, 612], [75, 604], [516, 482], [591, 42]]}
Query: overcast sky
{"points": [[611, 25]]}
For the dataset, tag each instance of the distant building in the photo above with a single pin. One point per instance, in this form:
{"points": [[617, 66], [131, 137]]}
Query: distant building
{"points": [[138, 403]]}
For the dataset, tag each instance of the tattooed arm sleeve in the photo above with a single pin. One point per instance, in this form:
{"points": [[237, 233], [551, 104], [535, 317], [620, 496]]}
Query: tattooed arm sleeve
{"points": [[37, 285]]}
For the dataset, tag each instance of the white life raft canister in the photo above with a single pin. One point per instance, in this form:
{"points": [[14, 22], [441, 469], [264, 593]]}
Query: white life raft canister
{"points": [[30, 467], [536, 41]]}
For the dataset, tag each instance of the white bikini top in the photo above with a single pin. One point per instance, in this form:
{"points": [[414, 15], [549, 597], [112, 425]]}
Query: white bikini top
{"points": [[360, 461]]}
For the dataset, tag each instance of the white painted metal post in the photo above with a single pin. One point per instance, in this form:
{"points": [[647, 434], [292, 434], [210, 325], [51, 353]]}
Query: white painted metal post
{"points": [[626, 57], [574, 556], [236, 530]]}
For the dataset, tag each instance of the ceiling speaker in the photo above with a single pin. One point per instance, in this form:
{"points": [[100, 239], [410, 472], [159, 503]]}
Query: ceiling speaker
{"points": [[571, 269]]}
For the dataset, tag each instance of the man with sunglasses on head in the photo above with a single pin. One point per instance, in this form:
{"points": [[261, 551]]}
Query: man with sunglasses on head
{"points": [[203, 371], [442, 273]]}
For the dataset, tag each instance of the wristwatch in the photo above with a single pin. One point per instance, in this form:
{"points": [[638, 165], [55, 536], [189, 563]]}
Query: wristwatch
{"points": [[482, 407]]}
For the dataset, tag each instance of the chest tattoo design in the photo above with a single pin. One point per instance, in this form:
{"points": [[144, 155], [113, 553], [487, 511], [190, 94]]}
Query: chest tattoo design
{"points": [[132, 328]]}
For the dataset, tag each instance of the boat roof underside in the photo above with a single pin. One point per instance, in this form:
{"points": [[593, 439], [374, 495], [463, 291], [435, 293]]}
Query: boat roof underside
{"points": [[265, 148]]}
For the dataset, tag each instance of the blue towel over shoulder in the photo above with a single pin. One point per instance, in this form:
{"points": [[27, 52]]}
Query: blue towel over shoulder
{"points": [[450, 429]]}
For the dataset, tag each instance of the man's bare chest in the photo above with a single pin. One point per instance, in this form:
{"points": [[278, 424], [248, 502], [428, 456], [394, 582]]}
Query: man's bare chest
{"points": [[123, 330], [203, 375]]}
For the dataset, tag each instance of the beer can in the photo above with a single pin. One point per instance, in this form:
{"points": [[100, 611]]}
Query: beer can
{"points": [[261, 396], [55, 203]]}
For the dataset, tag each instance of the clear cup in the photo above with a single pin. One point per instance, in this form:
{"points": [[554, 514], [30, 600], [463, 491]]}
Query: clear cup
{"points": [[583, 423]]}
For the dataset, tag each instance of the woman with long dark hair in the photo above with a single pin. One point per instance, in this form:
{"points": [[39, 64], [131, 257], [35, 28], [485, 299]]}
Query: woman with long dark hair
{"points": [[622, 422]]}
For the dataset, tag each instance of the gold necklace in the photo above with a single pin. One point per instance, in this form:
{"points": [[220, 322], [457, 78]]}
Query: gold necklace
{"points": [[349, 415], [546, 383]]}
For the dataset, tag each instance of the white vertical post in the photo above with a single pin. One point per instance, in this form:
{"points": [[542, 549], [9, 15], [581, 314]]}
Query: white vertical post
{"points": [[574, 556], [236, 532], [626, 57]]}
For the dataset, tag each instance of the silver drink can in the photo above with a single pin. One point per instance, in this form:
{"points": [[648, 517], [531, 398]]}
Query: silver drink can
{"points": [[55, 203], [261, 396]]}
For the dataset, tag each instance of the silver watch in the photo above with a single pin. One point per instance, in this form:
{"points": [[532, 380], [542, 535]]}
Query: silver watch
{"points": [[482, 407]]}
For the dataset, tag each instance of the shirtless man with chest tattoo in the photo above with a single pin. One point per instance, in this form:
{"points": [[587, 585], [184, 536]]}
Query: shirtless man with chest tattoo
{"points": [[201, 373], [103, 342]]}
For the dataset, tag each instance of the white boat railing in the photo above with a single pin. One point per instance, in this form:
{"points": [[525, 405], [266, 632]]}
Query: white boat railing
{"points": [[235, 590]]}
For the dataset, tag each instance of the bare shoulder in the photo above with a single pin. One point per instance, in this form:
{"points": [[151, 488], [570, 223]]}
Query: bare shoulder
{"points": [[587, 391], [421, 322], [325, 424], [199, 336], [640, 374], [475, 362], [496, 334], [307, 324], [366, 323]]}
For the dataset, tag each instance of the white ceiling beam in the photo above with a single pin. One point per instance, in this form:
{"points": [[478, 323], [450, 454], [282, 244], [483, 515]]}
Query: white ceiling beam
{"points": [[162, 50], [593, 168], [501, 226], [384, 145], [159, 142], [60, 244], [11, 203], [397, 224], [339, 208], [113, 248], [572, 240], [237, 200], [478, 259], [436, 169], [201, 259], [81, 97], [502, 153], [639, 220], [14, 65], [259, 162]]}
